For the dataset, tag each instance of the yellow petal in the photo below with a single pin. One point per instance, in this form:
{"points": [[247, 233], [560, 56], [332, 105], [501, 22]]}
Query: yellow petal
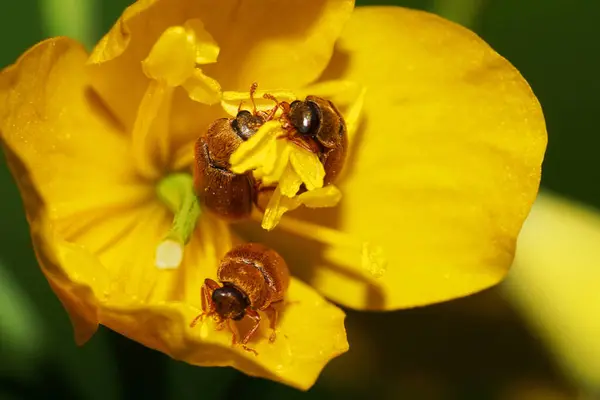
{"points": [[277, 44], [115, 42], [308, 167], [337, 91], [353, 113], [53, 122], [444, 169]]}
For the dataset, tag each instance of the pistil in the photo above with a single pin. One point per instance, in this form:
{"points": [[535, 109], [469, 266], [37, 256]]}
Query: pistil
{"points": [[177, 193]]}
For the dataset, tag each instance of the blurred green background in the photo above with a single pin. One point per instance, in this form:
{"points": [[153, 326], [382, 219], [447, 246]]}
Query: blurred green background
{"points": [[478, 347]]}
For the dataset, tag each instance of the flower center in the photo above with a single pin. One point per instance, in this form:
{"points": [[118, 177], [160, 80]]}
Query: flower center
{"points": [[177, 193]]}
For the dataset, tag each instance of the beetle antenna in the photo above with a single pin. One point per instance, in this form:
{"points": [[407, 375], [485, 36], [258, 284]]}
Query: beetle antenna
{"points": [[271, 114], [252, 92]]}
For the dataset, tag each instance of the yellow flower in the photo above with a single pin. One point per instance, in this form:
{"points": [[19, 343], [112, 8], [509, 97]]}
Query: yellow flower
{"points": [[443, 166]]}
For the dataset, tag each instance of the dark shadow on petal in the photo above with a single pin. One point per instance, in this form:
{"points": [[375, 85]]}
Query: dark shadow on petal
{"points": [[338, 65], [102, 109]]}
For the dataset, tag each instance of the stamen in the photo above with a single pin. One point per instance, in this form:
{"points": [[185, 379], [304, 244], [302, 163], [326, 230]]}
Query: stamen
{"points": [[157, 94], [373, 259], [177, 193]]}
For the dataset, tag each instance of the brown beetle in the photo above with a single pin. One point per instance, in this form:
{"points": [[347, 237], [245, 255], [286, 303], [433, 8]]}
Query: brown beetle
{"points": [[254, 278], [317, 125], [229, 195], [218, 189]]}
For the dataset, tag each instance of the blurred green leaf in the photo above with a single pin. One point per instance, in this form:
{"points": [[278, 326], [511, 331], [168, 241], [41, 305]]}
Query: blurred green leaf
{"points": [[8, 396], [110, 11], [73, 18], [19, 28], [464, 12], [21, 332], [92, 368], [187, 382]]}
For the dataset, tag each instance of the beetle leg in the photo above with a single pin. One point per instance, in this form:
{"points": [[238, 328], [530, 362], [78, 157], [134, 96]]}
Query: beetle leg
{"points": [[234, 331], [306, 145], [236, 334], [255, 317], [220, 324], [271, 113], [208, 306], [285, 107], [195, 321], [272, 313], [288, 134]]}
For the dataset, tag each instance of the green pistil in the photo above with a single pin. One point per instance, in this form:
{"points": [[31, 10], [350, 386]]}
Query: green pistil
{"points": [[176, 191]]}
